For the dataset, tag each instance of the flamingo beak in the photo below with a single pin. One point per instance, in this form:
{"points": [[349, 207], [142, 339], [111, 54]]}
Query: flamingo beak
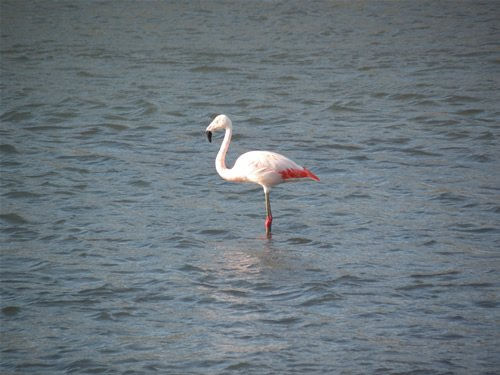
{"points": [[209, 135]]}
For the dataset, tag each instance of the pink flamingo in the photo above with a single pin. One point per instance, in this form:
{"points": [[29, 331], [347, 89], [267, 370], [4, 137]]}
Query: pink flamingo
{"points": [[260, 167]]}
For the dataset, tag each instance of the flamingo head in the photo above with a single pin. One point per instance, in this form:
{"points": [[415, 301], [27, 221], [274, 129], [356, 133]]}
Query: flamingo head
{"points": [[218, 123]]}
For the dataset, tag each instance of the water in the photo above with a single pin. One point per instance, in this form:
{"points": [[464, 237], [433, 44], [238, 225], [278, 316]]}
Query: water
{"points": [[124, 252]]}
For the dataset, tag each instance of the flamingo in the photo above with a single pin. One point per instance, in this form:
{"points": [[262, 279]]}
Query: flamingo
{"points": [[265, 168]]}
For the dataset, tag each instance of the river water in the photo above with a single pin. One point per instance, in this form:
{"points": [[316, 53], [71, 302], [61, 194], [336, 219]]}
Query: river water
{"points": [[124, 252]]}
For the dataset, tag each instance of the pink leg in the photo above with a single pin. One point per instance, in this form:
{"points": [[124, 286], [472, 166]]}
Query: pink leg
{"points": [[269, 221], [269, 218]]}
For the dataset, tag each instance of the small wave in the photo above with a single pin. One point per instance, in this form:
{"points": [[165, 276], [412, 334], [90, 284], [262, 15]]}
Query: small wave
{"points": [[457, 134], [407, 97], [103, 315], [11, 310], [212, 69], [322, 299], [43, 128], [234, 292], [117, 127], [176, 114], [240, 367], [471, 228], [461, 99], [450, 337], [188, 243], [284, 295], [79, 170], [288, 78], [60, 116], [145, 127], [140, 183], [86, 366], [153, 297], [116, 117], [488, 304], [8, 149], [148, 108], [282, 321], [351, 280], [470, 112], [340, 146], [417, 151], [86, 74], [435, 274], [357, 195], [299, 241], [13, 218], [449, 197], [367, 68], [358, 158], [105, 290], [341, 107], [16, 116], [21, 194], [487, 136], [214, 232], [379, 95], [429, 243], [191, 268], [392, 141], [411, 287], [481, 158], [89, 132]]}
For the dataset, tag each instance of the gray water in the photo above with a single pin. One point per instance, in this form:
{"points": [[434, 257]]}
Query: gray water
{"points": [[124, 252]]}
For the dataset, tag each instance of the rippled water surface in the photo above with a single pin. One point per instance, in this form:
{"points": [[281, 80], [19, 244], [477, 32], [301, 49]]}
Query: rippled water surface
{"points": [[124, 252]]}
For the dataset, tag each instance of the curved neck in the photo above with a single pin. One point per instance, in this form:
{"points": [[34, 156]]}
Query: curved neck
{"points": [[220, 160]]}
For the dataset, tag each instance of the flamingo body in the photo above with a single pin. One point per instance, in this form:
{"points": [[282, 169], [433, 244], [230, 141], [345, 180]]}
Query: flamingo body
{"points": [[265, 168], [268, 168]]}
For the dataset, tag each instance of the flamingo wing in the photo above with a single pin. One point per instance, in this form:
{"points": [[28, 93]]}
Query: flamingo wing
{"points": [[269, 168]]}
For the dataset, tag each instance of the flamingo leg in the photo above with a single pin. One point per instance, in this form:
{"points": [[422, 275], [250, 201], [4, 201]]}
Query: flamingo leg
{"points": [[269, 218]]}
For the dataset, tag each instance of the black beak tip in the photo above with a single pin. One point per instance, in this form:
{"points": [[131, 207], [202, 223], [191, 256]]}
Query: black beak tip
{"points": [[209, 135]]}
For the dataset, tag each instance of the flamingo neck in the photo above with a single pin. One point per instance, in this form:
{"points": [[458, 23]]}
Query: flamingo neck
{"points": [[220, 160]]}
